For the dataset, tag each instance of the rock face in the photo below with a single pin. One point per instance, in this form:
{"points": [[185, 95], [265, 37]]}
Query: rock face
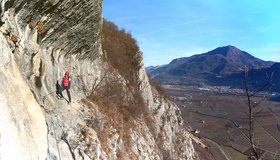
{"points": [[40, 40]]}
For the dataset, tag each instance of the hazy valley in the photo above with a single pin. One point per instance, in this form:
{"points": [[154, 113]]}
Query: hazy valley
{"points": [[210, 91]]}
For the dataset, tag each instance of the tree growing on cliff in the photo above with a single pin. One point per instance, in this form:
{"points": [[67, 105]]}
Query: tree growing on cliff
{"points": [[121, 51]]}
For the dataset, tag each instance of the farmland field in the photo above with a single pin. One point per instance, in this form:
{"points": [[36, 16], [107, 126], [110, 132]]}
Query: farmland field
{"points": [[223, 119]]}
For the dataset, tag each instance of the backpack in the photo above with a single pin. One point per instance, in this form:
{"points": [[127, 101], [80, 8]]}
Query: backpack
{"points": [[65, 82]]}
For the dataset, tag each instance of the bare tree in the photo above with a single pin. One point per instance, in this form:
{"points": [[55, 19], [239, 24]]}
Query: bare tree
{"points": [[251, 109]]}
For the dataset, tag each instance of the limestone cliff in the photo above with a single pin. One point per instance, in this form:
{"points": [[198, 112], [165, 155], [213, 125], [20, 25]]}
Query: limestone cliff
{"points": [[109, 118]]}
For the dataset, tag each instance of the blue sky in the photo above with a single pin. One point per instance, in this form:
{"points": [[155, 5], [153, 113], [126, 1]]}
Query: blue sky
{"points": [[166, 29]]}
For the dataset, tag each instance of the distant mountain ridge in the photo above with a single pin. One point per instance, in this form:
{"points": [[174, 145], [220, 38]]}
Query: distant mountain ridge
{"points": [[152, 68], [220, 61], [221, 66]]}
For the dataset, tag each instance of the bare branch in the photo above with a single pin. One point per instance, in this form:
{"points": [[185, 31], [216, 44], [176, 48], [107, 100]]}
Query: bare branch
{"points": [[251, 118], [268, 84], [258, 112]]}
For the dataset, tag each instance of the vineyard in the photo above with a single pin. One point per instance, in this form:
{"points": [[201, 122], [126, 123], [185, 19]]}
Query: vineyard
{"points": [[223, 119]]}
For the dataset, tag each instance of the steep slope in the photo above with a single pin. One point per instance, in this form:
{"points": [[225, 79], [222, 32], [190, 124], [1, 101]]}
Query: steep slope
{"points": [[208, 68], [259, 77], [112, 116]]}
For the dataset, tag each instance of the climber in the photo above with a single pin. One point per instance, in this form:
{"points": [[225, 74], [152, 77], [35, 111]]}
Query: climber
{"points": [[66, 83]]}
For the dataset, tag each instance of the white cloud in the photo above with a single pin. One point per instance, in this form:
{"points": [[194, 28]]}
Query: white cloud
{"points": [[146, 17], [169, 27]]}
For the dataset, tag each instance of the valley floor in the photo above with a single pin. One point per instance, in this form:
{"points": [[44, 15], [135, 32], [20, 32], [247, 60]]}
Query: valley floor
{"points": [[219, 118]]}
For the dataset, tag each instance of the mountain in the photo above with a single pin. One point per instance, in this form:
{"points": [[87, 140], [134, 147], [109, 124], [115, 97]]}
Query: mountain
{"points": [[150, 69], [262, 76], [211, 68]]}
